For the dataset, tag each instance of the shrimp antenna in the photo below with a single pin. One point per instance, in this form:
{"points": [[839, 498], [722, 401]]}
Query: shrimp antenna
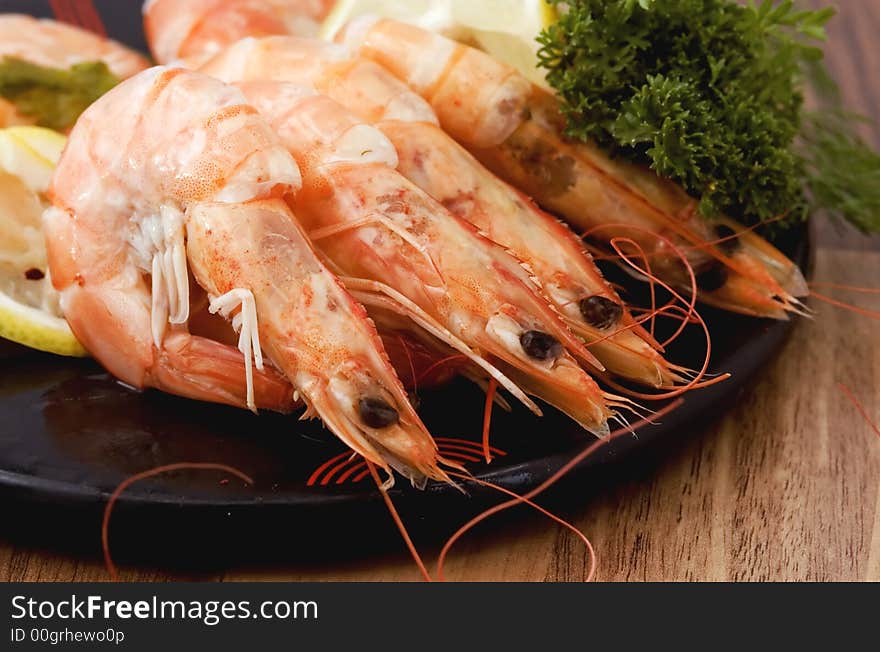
{"points": [[553, 479], [417, 558], [487, 419], [864, 312], [859, 407], [144, 475], [518, 499]]}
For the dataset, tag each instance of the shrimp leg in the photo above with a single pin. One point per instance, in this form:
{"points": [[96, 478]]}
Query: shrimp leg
{"points": [[111, 315]]}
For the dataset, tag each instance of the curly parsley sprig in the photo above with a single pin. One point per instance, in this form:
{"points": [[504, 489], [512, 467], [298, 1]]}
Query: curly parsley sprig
{"points": [[710, 93]]}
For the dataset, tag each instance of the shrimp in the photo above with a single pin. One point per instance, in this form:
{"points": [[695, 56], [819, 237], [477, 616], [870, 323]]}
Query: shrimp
{"points": [[442, 168], [359, 84], [197, 29], [516, 129], [51, 44], [390, 238], [191, 178], [590, 306]]}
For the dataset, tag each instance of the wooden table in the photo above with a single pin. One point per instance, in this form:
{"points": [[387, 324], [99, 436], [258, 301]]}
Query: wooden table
{"points": [[786, 487]]}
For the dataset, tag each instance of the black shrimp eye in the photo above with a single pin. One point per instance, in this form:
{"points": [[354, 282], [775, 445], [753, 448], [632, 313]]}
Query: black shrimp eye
{"points": [[600, 312], [729, 239], [540, 345], [712, 277], [376, 413]]}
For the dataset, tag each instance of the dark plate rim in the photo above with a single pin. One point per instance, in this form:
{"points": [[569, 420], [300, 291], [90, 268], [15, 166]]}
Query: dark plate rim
{"points": [[523, 474]]}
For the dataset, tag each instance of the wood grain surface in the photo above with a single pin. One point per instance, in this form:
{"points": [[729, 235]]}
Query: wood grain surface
{"points": [[785, 487]]}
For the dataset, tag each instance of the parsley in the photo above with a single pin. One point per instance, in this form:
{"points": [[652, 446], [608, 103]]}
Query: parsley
{"points": [[55, 97], [710, 93]]}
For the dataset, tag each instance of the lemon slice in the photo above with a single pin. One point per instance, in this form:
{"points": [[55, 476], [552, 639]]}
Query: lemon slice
{"points": [[29, 310], [506, 29]]}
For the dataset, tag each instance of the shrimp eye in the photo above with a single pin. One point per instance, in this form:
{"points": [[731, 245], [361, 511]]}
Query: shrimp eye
{"points": [[712, 277], [729, 239], [376, 413], [600, 312], [540, 345]]}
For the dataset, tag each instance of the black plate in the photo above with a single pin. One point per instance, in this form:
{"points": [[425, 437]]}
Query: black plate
{"points": [[70, 433]]}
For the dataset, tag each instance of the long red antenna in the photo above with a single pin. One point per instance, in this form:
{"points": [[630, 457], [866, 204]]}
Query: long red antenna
{"points": [[159, 470], [417, 558], [553, 479], [861, 408]]}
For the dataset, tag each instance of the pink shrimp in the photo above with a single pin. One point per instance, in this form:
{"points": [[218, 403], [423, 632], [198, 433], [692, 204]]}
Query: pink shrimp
{"points": [[590, 306], [191, 178], [516, 130], [376, 226], [443, 169], [197, 29], [367, 88]]}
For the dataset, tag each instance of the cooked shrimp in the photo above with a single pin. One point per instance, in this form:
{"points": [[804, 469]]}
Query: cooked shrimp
{"points": [[516, 130], [191, 177], [433, 161], [197, 29], [591, 307], [52, 44], [360, 84], [376, 226]]}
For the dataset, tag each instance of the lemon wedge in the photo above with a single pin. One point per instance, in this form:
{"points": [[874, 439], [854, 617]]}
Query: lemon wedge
{"points": [[29, 309], [506, 29]]}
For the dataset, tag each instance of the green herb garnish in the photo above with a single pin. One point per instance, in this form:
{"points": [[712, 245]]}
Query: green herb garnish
{"points": [[710, 93], [53, 96]]}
